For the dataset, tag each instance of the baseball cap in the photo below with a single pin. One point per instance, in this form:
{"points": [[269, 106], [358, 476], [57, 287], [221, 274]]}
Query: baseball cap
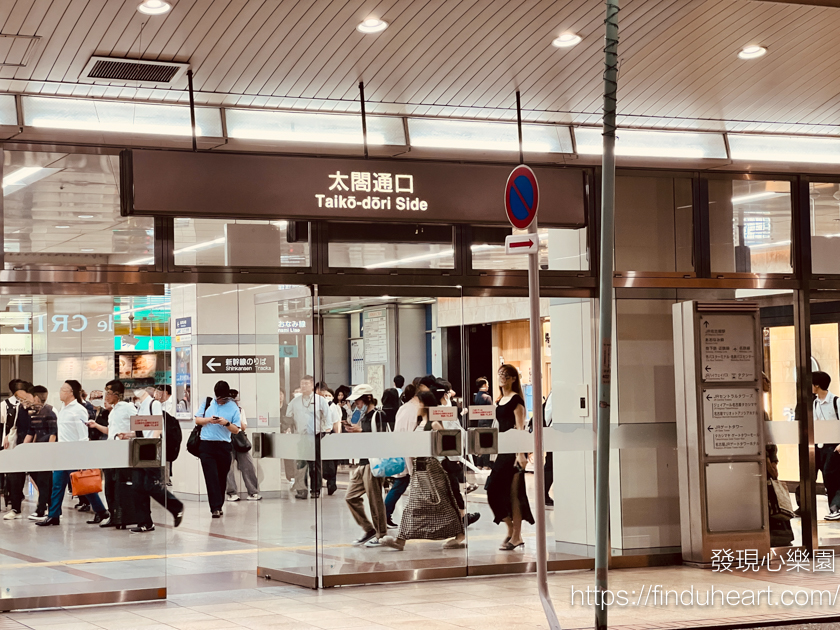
{"points": [[360, 390]]}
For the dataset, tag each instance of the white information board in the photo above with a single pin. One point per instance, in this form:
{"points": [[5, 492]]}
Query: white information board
{"points": [[376, 336], [727, 348], [482, 412], [731, 421]]}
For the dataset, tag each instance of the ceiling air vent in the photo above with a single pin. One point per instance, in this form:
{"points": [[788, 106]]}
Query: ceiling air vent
{"points": [[133, 71]]}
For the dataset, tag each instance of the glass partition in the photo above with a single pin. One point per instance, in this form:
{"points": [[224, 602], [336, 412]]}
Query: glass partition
{"points": [[64, 209], [108, 542], [654, 210], [825, 227], [290, 417], [390, 246], [750, 226], [241, 243], [825, 378], [561, 249]]}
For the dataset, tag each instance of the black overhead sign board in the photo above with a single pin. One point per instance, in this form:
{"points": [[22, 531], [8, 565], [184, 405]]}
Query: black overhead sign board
{"points": [[227, 185]]}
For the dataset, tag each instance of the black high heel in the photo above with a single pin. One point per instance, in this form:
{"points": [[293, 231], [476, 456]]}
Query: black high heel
{"points": [[509, 546], [505, 543]]}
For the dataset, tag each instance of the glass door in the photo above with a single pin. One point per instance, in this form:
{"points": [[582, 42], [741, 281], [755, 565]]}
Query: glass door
{"points": [[290, 417], [396, 514]]}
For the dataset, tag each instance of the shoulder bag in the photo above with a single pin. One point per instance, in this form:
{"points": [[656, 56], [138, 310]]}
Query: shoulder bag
{"points": [[194, 441]]}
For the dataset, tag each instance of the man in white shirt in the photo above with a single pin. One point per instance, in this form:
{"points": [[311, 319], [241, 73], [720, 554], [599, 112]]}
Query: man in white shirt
{"points": [[72, 427], [826, 408], [308, 411], [163, 393]]}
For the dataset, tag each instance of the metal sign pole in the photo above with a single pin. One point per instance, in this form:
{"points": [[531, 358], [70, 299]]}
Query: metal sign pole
{"points": [[536, 378], [539, 453], [602, 453]]}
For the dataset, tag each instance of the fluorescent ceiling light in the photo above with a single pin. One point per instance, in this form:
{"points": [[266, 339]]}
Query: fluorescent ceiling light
{"points": [[756, 197], [119, 117], [806, 149], [372, 25], [566, 40], [189, 248], [313, 128], [19, 175], [85, 216], [487, 136], [752, 52], [657, 144], [87, 250], [62, 227], [154, 7]]}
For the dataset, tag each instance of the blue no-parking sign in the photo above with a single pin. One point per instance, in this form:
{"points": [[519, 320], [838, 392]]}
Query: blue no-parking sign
{"points": [[522, 197]]}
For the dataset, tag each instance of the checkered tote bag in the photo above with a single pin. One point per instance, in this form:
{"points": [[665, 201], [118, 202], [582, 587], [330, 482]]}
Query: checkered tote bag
{"points": [[431, 513]]}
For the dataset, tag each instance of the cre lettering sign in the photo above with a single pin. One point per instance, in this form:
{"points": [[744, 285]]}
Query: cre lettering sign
{"points": [[64, 323]]}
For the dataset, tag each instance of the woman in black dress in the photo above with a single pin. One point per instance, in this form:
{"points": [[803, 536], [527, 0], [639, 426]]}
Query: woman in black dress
{"points": [[506, 484]]}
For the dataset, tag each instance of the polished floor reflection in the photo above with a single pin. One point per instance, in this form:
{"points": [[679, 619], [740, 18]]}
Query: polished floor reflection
{"points": [[509, 602]]}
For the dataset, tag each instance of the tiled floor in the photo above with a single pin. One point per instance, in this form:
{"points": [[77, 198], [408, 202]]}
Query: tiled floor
{"points": [[474, 604], [209, 569]]}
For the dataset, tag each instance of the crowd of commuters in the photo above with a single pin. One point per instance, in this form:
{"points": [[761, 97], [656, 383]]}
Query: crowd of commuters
{"points": [[26, 417]]}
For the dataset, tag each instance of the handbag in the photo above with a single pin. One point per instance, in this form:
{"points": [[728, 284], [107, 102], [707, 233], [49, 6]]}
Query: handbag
{"points": [[782, 507], [241, 443], [87, 481]]}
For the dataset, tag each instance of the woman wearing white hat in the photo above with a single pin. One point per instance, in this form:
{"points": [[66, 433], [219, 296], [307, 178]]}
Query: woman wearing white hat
{"points": [[362, 481]]}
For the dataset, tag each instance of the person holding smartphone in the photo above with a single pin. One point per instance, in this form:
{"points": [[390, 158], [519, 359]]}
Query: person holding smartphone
{"points": [[218, 418]]}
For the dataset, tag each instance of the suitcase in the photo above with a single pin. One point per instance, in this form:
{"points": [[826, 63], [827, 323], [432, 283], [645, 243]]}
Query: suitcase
{"points": [[124, 512]]}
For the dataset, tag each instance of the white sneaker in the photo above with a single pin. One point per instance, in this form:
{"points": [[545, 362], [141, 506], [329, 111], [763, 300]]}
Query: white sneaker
{"points": [[255, 497], [831, 516], [10, 516], [373, 542], [233, 498], [34, 517]]}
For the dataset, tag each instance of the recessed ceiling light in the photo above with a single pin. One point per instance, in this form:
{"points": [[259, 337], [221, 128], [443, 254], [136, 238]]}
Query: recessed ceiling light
{"points": [[87, 250], [752, 52], [154, 7], [85, 216], [62, 227], [372, 25], [566, 40]]}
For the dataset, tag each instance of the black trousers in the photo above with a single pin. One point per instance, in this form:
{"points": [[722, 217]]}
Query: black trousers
{"points": [[150, 485], [16, 482], [548, 471], [215, 460], [320, 469], [831, 476], [43, 480]]}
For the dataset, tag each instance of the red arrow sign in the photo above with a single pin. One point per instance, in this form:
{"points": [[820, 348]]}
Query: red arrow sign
{"points": [[528, 243]]}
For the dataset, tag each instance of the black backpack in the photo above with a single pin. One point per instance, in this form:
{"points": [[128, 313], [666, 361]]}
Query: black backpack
{"points": [[174, 436]]}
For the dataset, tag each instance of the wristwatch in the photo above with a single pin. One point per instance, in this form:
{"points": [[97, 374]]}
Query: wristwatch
{"points": [[228, 424]]}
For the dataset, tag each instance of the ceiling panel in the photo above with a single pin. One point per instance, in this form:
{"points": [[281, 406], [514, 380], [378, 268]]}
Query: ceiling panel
{"points": [[679, 65]]}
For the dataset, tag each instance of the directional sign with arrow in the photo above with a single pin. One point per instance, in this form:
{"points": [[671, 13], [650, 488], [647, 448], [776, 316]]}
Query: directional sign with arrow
{"points": [[242, 364], [522, 244]]}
